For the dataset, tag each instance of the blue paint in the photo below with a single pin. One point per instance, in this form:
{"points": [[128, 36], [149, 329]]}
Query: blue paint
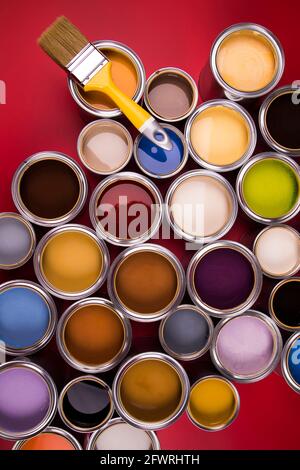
{"points": [[294, 360], [157, 161], [24, 317]]}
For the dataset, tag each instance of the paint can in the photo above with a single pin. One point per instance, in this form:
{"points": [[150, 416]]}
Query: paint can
{"points": [[51, 438], [186, 333], [224, 279], [49, 188], [119, 435], [268, 188], [279, 117], [221, 135], [93, 336], [85, 404], [157, 162], [235, 58], [150, 390], [17, 240], [126, 209], [28, 318], [104, 146], [201, 206], [28, 400], [157, 273], [290, 363], [71, 262], [171, 94], [284, 304], [277, 249], [246, 348], [214, 403], [128, 74]]}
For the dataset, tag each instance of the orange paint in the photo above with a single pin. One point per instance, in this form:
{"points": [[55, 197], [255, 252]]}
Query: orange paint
{"points": [[47, 441], [124, 75]]}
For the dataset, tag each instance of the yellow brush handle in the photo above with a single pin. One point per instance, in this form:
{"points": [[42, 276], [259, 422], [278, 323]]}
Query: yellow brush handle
{"points": [[103, 82]]}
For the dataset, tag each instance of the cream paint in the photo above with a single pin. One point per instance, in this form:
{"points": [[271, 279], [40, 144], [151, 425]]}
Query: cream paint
{"points": [[246, 61], [201, 206], [105, 148], [220, 135], [278, 251], [122, 436]]}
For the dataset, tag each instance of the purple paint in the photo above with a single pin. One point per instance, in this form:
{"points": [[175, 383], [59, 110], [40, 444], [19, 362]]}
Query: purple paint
{"points": [[24, 400], [245, 345], [224, 278]]}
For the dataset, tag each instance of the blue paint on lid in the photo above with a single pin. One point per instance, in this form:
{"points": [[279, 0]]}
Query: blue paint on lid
{"points": [[24, 317], [158, 161], [294, 360]]}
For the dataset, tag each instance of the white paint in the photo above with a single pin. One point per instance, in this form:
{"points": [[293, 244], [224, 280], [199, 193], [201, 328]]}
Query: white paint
{"points": [[122, 436]]}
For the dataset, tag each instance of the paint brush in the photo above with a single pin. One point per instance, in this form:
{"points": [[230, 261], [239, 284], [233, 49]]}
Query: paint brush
{"points": [[70, 49]]}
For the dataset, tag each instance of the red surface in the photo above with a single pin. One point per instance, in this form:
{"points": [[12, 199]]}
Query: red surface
{"points": [[40, 115]]}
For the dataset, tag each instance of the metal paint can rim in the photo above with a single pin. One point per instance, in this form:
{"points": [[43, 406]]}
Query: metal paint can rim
{"points": [[84, 367], [184, 383], [231, 92], [181, 284], [239, 309], [52, 430], [252, 133], [284, 362], [196, 354], [49, 155], [52, 289], [239, 187], [175, 71], [276, 350]]}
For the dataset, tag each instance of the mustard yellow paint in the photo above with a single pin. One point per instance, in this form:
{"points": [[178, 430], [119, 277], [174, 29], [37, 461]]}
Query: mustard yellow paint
{"points": [[246, 60], [71, 261], [212, 402], [220, 135]]}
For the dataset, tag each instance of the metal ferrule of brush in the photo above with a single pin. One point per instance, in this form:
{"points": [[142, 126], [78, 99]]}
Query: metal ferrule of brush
{"points": [[86, 64]]}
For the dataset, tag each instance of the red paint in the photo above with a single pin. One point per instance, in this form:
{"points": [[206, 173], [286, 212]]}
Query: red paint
{"points": [[41, 115]]}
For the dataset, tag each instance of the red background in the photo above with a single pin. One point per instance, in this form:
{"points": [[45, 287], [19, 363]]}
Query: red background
{"points": [[40, 115]]}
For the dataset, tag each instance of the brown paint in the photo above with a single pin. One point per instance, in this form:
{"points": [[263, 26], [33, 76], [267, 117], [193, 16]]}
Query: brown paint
{"points": [[146, 282], [94, 334]]}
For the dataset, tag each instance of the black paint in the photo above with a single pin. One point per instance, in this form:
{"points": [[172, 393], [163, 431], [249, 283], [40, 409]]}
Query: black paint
{"points": [[283, 121], [286, 303]]}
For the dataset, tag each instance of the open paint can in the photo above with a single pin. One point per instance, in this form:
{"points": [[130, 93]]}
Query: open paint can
{"points": [[279, 120], [28, 400], [104, 146], [151, 390], [246, 348], [268, 188], [224, 279], [214, 403], [17, 240], [201, 206], [277, 249], [49, 188], [246, 61], [119, 435], [157, 162], [284, 304], [186, 333], [51, 438], [128, 74], [126, 209], [171, 94], [85, 404], [290, 362], [28, 318], [146, 282], [71, 262], [221, 135], [93, 336]]}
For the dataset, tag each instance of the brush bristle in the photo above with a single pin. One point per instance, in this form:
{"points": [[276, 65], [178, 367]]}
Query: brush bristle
{"points": [[62, 41]]}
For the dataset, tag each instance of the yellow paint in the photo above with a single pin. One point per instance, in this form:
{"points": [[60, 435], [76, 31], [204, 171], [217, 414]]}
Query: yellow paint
{"points": [[212, 402], [71, 261], [246, 61], [220, 135]]}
